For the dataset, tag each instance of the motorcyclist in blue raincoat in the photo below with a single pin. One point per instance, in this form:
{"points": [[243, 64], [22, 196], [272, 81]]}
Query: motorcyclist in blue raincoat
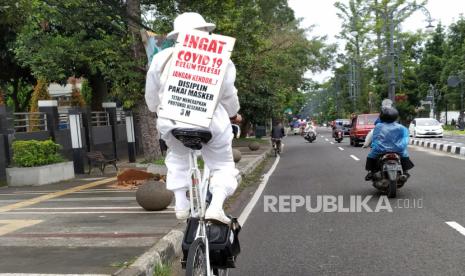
{"points": [[388, 136]]}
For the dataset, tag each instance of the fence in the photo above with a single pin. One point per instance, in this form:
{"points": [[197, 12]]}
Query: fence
{"points": [[30, 121], [101, 131], [100, 118]]}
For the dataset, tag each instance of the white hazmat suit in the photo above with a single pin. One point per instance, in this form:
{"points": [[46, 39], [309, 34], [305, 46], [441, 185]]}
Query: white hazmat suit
{"points": [[217, 153]]}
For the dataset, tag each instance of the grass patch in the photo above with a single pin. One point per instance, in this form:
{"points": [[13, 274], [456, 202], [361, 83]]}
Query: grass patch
{"points": [[456, 132], [163, 270], [160, 161], [3, 183], [449, 127]]}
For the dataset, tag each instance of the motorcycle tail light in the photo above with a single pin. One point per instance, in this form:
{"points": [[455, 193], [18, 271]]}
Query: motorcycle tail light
{"points": [[391, 156]]}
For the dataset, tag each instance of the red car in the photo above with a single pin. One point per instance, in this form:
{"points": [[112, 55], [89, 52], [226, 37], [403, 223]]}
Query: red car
{"points": [[361, 125]]}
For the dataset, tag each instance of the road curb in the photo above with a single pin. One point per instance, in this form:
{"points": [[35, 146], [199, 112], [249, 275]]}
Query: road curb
{"points": [[169, 247], [164, 251], [438, 146]]}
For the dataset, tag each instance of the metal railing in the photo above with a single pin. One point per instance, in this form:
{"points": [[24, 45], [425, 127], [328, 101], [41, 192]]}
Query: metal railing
{"points": [[30, 121], [100, 118]]}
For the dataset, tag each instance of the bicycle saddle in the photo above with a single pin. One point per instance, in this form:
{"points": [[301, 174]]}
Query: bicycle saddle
{"points": [[191, 137]]}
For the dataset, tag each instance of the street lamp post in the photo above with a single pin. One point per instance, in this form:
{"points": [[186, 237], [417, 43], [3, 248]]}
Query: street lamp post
{"points": [[392, 24]]}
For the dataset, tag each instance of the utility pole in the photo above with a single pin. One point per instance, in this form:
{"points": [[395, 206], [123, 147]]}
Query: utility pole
{"points": [[392, 80], [389, 18]]}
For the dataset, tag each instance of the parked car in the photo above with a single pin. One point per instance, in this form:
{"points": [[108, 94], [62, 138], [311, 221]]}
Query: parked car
{"points": [[426, 127], [361, 125]]}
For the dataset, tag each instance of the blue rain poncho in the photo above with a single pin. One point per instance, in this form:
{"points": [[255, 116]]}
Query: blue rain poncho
{"points": [[389, 137]]}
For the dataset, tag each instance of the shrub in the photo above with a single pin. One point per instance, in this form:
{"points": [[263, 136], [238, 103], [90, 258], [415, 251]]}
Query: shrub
{"points": [[34, 153]]}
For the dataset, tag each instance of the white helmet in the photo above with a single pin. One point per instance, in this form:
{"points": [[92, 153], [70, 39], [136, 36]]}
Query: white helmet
{"points": [[189, 21]]}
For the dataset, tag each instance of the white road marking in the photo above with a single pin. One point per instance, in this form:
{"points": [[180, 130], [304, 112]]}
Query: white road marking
{"points": [[354, 157], [326, 140], [87, 212], [87, 208], [332, 143], [456, 226], [37, 274], [81, 192], [340, 148], [8, 226], [248, 209], [70, 199]]}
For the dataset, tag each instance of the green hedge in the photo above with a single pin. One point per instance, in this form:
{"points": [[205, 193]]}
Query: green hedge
{"points": [[33, 153]]}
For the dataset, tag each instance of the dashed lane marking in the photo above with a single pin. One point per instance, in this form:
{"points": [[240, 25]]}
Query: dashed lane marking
{"points": [[456, 226], [340, 148], [354, 157]]}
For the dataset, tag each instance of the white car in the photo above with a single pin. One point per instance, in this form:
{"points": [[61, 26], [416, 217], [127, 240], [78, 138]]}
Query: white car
{"points": [[425, 127]]}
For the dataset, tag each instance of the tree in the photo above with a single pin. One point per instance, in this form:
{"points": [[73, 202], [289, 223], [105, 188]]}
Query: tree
{"points": [[454, 62], [355, 31], [76, 97], [432, 64], [147, 120], [16, 78], [40, 93]]}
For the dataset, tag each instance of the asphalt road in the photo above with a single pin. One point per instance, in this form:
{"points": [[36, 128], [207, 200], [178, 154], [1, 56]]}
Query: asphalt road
{"points": [[406, 241]]}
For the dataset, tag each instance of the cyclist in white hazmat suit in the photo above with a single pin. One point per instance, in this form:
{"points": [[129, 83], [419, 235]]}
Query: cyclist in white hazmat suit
{"points": [[217, 154]]}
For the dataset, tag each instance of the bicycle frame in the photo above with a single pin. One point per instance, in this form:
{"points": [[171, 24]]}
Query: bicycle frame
{"points": [[198, 192]]}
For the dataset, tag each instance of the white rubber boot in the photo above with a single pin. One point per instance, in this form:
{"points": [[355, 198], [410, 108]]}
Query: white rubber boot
{"points": [[215, 211]]}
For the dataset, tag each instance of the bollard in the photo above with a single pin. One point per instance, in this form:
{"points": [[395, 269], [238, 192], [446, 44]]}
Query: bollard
{"points": [[76, 140], [131, 136]]}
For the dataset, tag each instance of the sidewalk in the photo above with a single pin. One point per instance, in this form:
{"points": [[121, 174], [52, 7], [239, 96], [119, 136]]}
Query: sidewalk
{"points": [[436, 145], [86, 226]]}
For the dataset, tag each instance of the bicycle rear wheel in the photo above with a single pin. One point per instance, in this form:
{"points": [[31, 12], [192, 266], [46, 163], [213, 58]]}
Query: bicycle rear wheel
{"points": [[196, 264]]}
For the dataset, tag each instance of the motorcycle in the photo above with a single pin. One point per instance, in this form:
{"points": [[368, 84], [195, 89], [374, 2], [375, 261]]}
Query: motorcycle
{"points": [[310, 135], [391, 176], [339, 135]]}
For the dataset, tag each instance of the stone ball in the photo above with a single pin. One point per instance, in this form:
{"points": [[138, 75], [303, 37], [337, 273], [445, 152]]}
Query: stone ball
{"points": [[237, 155], [153, 196], [254, 146]]}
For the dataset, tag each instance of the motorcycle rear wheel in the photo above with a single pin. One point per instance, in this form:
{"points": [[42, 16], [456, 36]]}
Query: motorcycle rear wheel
{"points": [[392, 189]]}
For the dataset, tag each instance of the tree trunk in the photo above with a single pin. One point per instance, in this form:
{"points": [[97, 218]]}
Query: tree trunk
{"points": [[150, 143], [14, 96], [99, 91], [148, 127]]}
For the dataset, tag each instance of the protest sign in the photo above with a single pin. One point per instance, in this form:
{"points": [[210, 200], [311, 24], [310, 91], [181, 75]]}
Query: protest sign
{"points": [[195, 75]]}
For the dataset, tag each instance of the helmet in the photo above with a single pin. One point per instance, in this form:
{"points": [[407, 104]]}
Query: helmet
{"points": [[388, 114]]}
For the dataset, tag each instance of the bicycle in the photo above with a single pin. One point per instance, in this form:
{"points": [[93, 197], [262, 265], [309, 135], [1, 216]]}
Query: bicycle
{"points": [[276, 146], [198, 257]]}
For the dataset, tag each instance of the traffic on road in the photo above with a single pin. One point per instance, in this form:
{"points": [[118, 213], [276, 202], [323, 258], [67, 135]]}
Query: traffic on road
{"points": [[318, 216]]}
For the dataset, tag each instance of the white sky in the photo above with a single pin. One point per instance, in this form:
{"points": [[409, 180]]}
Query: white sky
{"points": [[322, 14]]}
